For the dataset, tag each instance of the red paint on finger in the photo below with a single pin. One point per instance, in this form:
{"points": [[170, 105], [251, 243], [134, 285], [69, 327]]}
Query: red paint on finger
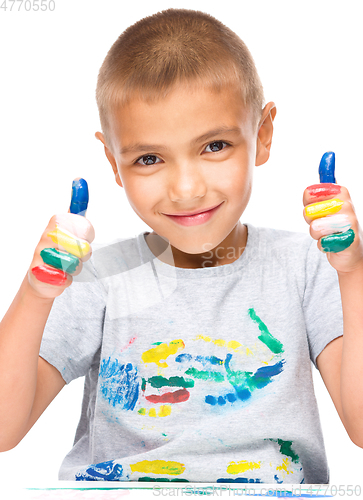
{"points": [[49, 275], [169, 397], [317, 190]]}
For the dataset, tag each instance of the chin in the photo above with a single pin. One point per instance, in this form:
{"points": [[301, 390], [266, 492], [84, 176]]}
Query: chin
{"points": [[195, 246]]}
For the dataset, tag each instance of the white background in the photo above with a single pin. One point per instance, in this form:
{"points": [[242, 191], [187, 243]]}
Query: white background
{"points": [[308, 55]]}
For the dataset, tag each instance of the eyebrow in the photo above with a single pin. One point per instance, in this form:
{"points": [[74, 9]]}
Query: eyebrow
{"points": [[139, 147]]}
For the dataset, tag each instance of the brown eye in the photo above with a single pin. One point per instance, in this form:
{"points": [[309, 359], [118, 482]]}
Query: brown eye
{"points": [[215, 146], [148, 160]]}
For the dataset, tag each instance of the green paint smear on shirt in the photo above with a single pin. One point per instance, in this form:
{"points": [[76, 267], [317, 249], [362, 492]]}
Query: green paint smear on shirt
{"points": [[269, 340], [286, 449], [205, 375], [159, 381], [337, 242]]}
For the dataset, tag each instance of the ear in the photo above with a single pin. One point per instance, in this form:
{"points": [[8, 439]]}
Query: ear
{"points": [[110, 157], [264, 135]]}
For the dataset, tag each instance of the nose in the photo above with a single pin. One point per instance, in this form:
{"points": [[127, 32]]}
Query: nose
{"points": [[186, 182]]}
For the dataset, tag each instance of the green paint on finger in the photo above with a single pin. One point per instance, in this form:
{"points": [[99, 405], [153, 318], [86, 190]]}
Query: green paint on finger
{"points": [[60, 260], [337, 242]]}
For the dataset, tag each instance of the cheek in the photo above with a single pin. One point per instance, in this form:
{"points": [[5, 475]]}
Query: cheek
{"points": [[237, 182], [140, 191]]}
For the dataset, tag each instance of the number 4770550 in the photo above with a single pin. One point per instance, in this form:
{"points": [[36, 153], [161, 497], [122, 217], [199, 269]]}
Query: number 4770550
{"points": [[27, 5]]}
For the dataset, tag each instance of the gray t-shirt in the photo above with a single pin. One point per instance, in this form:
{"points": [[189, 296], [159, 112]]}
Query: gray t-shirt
{"points": [[200, 375]]}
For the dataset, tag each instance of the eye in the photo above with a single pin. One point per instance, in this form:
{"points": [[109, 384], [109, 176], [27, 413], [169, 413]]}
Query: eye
{"points": [[216, 146], [148, 160]]}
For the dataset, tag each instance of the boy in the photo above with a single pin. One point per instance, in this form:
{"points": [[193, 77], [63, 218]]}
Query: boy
{"points": [[195, 339]]}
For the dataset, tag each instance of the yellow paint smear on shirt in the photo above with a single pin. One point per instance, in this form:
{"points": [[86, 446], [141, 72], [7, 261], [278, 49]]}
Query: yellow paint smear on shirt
{"points": [[161, 352], [259, 350], [284, 466], [76, 247], [242, 466], [158, 467], [164, 411]]}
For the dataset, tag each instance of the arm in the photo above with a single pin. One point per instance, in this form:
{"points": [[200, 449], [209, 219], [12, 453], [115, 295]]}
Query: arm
{"points": [[340, 363], [333, 223], [28, 383]]}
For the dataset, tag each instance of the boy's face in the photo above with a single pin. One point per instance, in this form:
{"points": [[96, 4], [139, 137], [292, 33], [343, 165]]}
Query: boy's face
{"points": [[194, 150]]}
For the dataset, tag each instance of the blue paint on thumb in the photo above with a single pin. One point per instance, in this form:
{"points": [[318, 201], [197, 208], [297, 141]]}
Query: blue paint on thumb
{"points": [[79, 201], [327, 168]]}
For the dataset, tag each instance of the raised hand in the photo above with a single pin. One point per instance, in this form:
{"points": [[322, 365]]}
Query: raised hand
{"points": [[63, 247], [333, 222]]}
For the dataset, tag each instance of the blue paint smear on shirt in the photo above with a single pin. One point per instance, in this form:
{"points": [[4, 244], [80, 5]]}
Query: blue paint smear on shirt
{"points": [[104, 471], [119, 384]]}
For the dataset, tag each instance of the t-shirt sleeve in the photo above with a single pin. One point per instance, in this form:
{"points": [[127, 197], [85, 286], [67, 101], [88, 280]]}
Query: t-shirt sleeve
{"points": [[322, 302], [73, 332]]}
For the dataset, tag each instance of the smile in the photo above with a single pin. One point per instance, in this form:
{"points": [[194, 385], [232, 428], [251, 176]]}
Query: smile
{"points": [[196, 219]]}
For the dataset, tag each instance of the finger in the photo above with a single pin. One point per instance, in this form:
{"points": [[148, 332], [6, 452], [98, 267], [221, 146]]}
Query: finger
{"points": [[337, 242], [64, 240], [49, 275], [327, 187], [61, 260], [338, 223], [80, 197], [322, 209], [327, 168], [80, 227]]}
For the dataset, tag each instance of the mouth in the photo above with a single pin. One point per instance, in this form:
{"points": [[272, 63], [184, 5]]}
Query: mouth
{"points": [[194, 218]]}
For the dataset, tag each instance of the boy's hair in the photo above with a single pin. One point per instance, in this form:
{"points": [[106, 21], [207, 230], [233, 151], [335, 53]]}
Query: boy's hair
{"points": [[171, 47]]}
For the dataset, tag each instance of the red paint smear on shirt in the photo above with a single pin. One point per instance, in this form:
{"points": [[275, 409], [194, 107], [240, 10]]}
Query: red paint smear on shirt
{"points": [[49, 275], [169, 397], [317, 190], [131, 341]]}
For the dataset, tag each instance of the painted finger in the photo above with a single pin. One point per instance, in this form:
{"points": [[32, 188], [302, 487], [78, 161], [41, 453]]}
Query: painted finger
{"points": [[64, 240], [327, 168], [338, 223], [323, 208], [80, 227], [61, 260], [343, 238], [80, 197], [49, 275]]}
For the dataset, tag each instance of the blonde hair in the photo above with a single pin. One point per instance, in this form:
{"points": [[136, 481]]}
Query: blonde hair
{"points": [[171, 47]]}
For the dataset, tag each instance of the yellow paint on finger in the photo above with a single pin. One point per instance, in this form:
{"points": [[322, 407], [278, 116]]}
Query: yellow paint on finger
{"points": [[158, 467], [161, 352], [76, 247], [323, 208], [242, 466]]}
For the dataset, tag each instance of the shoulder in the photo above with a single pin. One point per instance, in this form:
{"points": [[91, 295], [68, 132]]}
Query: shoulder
{"points": [[278, 244], [116, 257]]}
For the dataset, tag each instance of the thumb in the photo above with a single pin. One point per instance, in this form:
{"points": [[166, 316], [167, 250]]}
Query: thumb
{"points": [[79, 200], [327, 168]]}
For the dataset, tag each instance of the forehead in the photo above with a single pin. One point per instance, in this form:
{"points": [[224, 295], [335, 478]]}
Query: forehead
{"points": [[184, 113]]}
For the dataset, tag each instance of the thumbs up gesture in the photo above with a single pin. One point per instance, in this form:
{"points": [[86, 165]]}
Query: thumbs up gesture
{"points": [[63, 247], [333, 222]]}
